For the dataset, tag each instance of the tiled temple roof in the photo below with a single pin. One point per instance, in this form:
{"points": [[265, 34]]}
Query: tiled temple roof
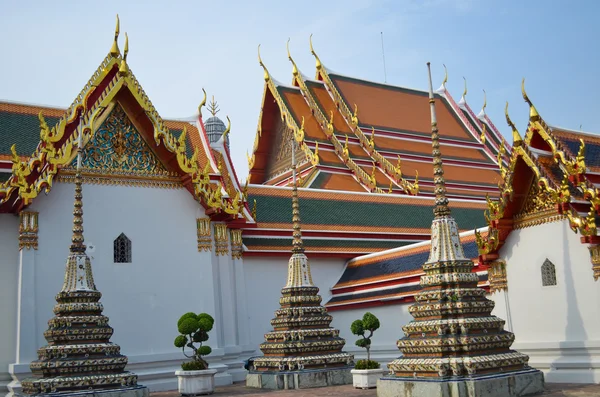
{"points": [[391, 276], [339, 113], [346, 222]]}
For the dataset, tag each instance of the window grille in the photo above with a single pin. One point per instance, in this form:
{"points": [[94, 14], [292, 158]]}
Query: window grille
{"points": [[122, 249], [548, 273]]}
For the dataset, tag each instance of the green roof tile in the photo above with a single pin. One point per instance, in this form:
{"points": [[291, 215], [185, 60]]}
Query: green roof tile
{"points": [[22, 130], [274, 209]]}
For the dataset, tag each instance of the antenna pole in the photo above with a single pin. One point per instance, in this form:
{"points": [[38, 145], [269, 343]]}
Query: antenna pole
{"points": [[383, 55]]}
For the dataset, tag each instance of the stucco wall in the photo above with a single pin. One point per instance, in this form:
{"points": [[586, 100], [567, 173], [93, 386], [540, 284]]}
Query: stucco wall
{"points": [[566, 312], [143, 299], [557, 326], [9, 276]]}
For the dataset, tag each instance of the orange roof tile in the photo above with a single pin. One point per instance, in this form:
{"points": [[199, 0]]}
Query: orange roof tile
{"points": [[396, 108], [299, 108], [328, 106], [408, 146], [342, 182]]}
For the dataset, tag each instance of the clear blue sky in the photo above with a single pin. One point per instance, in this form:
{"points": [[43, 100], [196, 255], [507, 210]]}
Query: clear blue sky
{"points": [[50, 50]]}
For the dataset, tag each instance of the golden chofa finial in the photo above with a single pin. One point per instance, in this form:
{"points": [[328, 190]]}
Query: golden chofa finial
{"points": [[226, 132], [312, 51], [533, 113], [443, 87], [260, 62], [517, 140], [202, 103], [114, 50], [123, 69], [465, 91], [213, 107], [294, 67]]}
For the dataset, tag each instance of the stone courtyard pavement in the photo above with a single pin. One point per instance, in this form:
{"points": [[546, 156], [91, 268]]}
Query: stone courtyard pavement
{"points": [[239, 389]]}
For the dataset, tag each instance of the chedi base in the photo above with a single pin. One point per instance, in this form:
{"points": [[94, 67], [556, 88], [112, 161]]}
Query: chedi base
{"points": [[303, 379], [513, 384]]}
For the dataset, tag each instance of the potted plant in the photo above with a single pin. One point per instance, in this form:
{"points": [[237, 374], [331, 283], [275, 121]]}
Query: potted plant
{"points": [[365, 372], [195, 377]]}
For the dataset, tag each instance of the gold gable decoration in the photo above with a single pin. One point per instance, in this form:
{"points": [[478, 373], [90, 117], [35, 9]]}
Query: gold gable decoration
{"points": [[48, 157]]}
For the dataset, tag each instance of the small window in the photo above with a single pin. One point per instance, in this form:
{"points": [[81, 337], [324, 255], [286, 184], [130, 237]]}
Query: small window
{"points": [[548, 273], [122, 249]]}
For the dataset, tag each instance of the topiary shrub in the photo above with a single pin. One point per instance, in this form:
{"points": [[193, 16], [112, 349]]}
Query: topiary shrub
{"points": [[370, 324], [193, 329]]}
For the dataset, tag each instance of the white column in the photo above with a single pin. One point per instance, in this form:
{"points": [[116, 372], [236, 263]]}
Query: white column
{"points": [[243, 328], [27, 331]]}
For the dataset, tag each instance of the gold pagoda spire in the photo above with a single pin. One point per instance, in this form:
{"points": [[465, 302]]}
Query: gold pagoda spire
{"points": [[114, 50], [441, 201], [213, 107], [77, 241], [297, 244]]}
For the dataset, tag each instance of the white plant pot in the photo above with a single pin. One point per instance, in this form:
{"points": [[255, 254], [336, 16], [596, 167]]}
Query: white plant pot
{"points": [[194, 383], [366, 378]]}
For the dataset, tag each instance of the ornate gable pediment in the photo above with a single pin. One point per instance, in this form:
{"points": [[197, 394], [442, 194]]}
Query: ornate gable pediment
{"points": [[117, 150]]}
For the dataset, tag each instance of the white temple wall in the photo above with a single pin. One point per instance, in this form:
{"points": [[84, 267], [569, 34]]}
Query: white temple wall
{"points": [[143, 299], [266, 276], [557, 326], [9, 276]]}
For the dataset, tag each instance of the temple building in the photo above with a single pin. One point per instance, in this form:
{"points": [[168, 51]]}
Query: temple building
{"points": [[166, 211]]}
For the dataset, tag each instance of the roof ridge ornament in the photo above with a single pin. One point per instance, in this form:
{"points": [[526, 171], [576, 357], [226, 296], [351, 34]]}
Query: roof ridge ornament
{"points": [[319, 64], [124, 69], [228, 129], [533, 113], [267, 76], [463, 99], [481, 115], [213, 107], [442, 88], [517, 140], [294, 67], [114, 50], [203, 103]]}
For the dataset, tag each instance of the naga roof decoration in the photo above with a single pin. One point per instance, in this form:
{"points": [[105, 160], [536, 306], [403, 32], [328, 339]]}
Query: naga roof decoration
{"points": [[356, 139], [546, 179], [182, 147]]}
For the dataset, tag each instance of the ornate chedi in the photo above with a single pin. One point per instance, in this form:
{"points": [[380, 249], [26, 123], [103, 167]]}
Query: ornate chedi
{"points": [[302, 339], [79, 357], [453, 336]]}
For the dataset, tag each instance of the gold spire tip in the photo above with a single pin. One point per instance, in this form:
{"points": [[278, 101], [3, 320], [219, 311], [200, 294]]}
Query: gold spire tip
{"points": [[213, 107], [202, 103], [445, 76], [114, 50], [123, 69], [312, 51]]}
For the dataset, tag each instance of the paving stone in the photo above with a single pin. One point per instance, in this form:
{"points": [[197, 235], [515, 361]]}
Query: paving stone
{"points": [[240, 389]]}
